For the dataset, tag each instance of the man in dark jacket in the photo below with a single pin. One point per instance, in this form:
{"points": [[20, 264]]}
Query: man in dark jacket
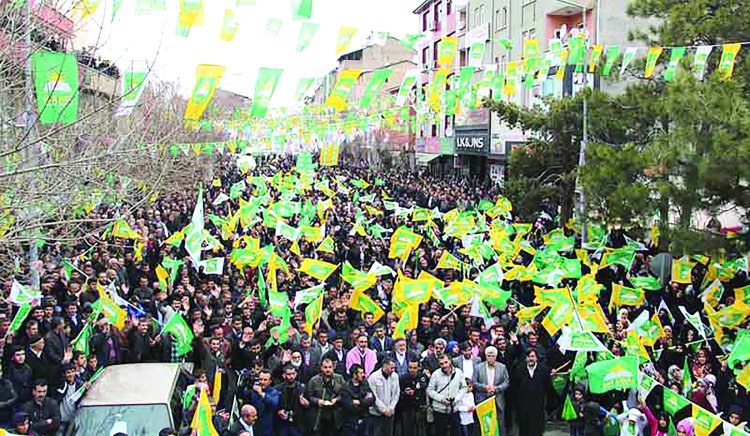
{"points": [[246, 423], [41, 368], [356, 400], [337, 355], [57, 350], [291, 416], [105, 345], [141, 343], [20, 374], [324, 393], [43, 412], [265, 399], [532, 382], [413, 393]]}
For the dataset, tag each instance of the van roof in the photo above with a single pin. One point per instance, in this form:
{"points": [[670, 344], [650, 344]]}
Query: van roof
{"points": [[133, 384]]}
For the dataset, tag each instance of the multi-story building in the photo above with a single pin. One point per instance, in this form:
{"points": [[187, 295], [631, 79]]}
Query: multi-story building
{"points": [[389, 53], [50, 29], [435, 138], [514, 21]]}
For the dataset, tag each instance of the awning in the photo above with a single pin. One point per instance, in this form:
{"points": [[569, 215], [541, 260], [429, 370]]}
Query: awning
{"points": [[425, 159]]}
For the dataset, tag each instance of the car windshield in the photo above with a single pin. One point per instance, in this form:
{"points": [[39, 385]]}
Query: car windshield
{"points": [[140, 420]]}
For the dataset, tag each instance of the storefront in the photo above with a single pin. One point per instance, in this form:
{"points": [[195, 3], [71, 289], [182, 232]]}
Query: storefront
{"points": [[473, 142], [472, 148]]}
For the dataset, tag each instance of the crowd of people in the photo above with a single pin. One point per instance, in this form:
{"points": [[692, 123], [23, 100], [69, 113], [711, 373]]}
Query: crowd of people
{"points": [[347, 374]]}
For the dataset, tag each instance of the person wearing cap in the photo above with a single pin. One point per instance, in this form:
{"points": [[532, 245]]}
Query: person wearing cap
{"points": [[21, 425], [735, 417], [43, 412], [40, 367]]}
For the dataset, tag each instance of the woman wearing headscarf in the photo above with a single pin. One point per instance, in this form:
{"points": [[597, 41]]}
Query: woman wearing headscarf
{"points": [[685, 427]]}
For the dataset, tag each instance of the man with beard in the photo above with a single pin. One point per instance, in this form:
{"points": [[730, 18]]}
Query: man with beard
{"points": [[531, 383], [324, 393], [292, 404], [356, 400], [408, 411], [105, 345]]}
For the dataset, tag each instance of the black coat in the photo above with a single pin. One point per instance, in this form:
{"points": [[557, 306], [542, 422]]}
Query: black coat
{"points": [[100, 347], [40, 367], [530, 402], [236, 428], [21, 376], [50, 409]]}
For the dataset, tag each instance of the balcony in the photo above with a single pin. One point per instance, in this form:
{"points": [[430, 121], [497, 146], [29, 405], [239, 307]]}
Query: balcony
{"points": [[563, 9], [96, 81], [45, 13]]}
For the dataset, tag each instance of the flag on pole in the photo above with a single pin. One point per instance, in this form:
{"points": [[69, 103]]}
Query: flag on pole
{"points": [[203, 419], [111, 311], [180, 331], [312, 314], [20, 294], [318, 269], [20, 317], [81, 342], [488, 420], [363, 303], [194, 232], [613, 374], [408, 321]]}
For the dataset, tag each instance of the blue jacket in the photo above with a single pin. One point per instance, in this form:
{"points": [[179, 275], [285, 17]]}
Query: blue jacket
{"points": [[266, 407]]}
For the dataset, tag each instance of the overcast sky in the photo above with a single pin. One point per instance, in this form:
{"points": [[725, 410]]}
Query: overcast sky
{"points": [[153, 38]]}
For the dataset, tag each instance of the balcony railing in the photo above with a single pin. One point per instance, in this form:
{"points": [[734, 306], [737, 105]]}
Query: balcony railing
{"points": [[97, 81]]}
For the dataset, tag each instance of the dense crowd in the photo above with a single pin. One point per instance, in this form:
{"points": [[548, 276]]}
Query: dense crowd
{"points": [[349, 376]]}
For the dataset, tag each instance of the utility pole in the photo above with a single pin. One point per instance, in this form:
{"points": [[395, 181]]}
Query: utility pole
{"points": [[31, 133]]}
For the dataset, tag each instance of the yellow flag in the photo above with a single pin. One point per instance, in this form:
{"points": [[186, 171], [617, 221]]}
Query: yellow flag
{"points": [[217, 386], [344, 85], [162, 275], [487, 414], [203, 417], [363, 303], [229, 26], [704, 422], [208, 78], [345, 39], [191, 13], [448, 261]]}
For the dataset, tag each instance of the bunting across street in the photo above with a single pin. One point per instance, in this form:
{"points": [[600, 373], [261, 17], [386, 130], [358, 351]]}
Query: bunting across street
{"points": [[310, 218]]}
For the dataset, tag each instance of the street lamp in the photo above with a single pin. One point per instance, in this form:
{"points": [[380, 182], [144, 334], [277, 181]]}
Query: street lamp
{"points": [[582, 152]]}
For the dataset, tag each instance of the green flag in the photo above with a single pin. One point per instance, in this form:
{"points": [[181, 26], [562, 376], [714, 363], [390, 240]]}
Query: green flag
{"points": [[179, 329], [569, 412], [23, 312], [673, 402], [674, 60], [409, 41], [614, 374], [740, 350], [262, 291], [265, 86], [303, 87], [56, 84], [273, 26], [649, 283], [613, 53], [81, 342], [306, 33], [301, 9], [115, 7], [377, 80]]}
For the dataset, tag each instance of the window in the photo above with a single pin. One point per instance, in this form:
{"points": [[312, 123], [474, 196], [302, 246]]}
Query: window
{"points": [[504, 16], [425, 56], [435, 52], [448, 8], [437, 15], [425, 20], [434, 131], [462, 58]]}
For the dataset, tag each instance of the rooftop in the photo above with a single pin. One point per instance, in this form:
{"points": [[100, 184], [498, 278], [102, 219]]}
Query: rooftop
{"points": [[133, 384]]}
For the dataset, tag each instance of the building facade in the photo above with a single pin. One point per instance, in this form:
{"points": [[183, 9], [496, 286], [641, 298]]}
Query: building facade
{"points": [[482, 142]]}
